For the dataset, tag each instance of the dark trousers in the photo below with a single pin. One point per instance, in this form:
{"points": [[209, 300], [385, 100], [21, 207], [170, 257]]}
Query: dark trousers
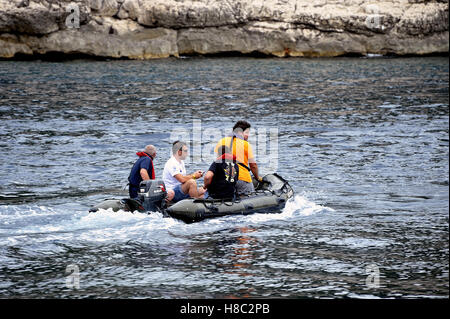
{"points": [[133, 191]]}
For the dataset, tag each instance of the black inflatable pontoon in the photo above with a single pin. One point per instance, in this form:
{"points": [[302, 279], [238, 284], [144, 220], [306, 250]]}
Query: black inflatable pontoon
{"points": [[270, 196]]}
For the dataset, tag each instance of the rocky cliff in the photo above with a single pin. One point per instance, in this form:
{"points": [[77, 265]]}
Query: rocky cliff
{"points": [[143, 29]]}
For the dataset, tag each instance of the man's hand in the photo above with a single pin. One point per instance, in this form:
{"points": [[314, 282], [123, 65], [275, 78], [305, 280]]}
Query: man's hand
{"points": [[197, 174]]}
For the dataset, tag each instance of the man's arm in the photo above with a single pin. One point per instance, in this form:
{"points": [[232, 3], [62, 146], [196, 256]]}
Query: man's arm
{"points": [[207, 179], [144, 174], [254, 169], [252, 163], [146, 166], [184, 178]]}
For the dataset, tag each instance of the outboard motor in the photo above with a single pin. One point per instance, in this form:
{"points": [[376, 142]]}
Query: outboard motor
{"points": [[152, 194]]}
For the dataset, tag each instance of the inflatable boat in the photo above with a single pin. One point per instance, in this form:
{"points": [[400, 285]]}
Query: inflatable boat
{"points": [[270, 196]]}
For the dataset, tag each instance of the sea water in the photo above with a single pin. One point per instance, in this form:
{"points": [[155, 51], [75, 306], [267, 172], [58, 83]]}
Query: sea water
{"points": [[363, 142]]}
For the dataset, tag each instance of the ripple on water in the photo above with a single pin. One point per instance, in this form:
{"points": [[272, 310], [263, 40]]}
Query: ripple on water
{"points": [[364, 143]]}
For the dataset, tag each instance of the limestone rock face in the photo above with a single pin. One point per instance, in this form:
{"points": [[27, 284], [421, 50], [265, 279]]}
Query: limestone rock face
{"points": [[144, 29]]}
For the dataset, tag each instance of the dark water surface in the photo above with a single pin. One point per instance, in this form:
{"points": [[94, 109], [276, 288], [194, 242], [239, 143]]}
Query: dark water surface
{"points": [[364, 143]]}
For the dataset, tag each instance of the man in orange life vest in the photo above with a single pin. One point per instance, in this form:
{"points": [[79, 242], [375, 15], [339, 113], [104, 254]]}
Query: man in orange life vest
{"points": [[142, 170], [242, 150]]}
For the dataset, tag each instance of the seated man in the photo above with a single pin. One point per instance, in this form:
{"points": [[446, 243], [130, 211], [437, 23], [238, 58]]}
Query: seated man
{"points": [[241, 148], [179, 185], [220, 180], [142, 170]]}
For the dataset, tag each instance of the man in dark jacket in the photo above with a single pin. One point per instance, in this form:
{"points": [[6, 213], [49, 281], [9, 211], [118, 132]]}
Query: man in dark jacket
{"points": [[220, 180], [142, 170]]}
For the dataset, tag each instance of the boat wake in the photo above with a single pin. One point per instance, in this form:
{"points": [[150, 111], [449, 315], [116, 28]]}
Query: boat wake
{"points": [[39, 224]]}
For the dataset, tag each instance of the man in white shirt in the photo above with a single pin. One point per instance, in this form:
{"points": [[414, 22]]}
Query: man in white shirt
{"points": [[179, 185]]}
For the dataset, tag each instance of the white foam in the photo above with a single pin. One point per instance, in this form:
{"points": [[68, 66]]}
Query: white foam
{"points": [[355, 242], [296, 207], [374, 55], [32, 224], [302, 206]]}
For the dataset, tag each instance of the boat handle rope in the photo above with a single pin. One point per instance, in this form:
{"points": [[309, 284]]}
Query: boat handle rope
{"points": [[286, 188], [223, 201], [211, 207]]}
